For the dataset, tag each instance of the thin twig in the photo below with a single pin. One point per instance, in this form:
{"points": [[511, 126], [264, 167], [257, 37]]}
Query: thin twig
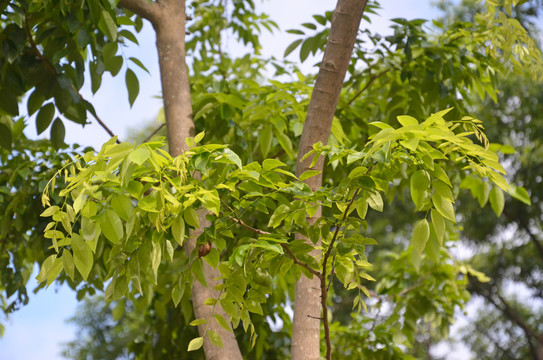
{"points": [[324, 290], [357, 95], [284, 246], [154, 132]]}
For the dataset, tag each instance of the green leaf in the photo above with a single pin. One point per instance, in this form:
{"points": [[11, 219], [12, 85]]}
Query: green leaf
{"points": [[197, 270], [222, 322], [191, 217], [270, 164], [443, 190], [520, 193], [309, 173], [320, 19], [50, 269], [420, 181], [482, 192], [213, 258], [139, 63], [197, 322], [421, 233], [6, 137], [444, 207], [57, 133], [278, 215], [34, 102], [199, 137], [89, 229], [50, 211], [122, 205], [292, 47], [132, 85], [83, 258], [68, 263], [107, 25], [113, 65], [178, 230], [156, 257], [177, 294], [306, 48], [375, 200], [215, 338], [232, 156], [195, 344], [407, 120], [44, 117], [140, 155], [112, 226], [266, 137], [439, 225], [497, 201]]}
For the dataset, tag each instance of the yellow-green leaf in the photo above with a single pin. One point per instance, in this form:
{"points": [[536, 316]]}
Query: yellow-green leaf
{"points": [[421, 233], [83, 258], [497, 201], [178, 230], [195, 344]]}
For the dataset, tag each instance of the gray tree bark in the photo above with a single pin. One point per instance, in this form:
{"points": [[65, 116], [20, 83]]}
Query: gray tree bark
{"points": [[318, 122], [168, 19]]}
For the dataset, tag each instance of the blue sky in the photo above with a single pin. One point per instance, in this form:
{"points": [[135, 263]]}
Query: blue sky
{"points": [[36, 331]]}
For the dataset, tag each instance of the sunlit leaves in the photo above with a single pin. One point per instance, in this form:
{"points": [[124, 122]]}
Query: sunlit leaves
{"points": [[439, 225], [195, 344], [82, 256], [443, 206], [111, 226], [520, 194], [419, 184], [421, 233], [178, 230], [497, 200]]}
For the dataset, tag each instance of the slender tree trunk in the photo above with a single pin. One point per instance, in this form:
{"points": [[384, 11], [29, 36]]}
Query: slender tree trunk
{"points": [[322, 106], [168, 19]]}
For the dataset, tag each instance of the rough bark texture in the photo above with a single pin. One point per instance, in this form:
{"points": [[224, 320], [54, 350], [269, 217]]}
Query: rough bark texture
{"points": [[322, 106], [168, 19], [200, 293]]}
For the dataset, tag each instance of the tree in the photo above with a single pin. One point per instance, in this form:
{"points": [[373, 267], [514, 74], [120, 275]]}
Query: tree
{"points": [[245, 221]]}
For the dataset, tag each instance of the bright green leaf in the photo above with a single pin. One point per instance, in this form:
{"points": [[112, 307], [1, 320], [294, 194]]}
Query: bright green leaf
{"points": [[444, 207], [439, 225], [497, 201], [195, 344], [83, 258], [178, 230], [191, 217], [112, 226], [421, 233]]}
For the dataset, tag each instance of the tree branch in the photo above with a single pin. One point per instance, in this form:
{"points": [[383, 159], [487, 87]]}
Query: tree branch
{"points": [[154, 132], [533, 238], [357, 95], [284, 246], [506, 309], [146, 9]]}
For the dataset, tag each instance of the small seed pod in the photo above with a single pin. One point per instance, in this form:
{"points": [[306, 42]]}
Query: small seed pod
{"points": [[204, 249]]}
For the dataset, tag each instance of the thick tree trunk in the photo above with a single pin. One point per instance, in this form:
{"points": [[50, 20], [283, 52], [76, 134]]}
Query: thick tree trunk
{"points": [[168, 19], [322, 106]]}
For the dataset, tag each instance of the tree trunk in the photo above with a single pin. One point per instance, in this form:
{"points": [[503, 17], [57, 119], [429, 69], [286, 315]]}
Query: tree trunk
{"points": [[168, 19], [318, 122]]}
